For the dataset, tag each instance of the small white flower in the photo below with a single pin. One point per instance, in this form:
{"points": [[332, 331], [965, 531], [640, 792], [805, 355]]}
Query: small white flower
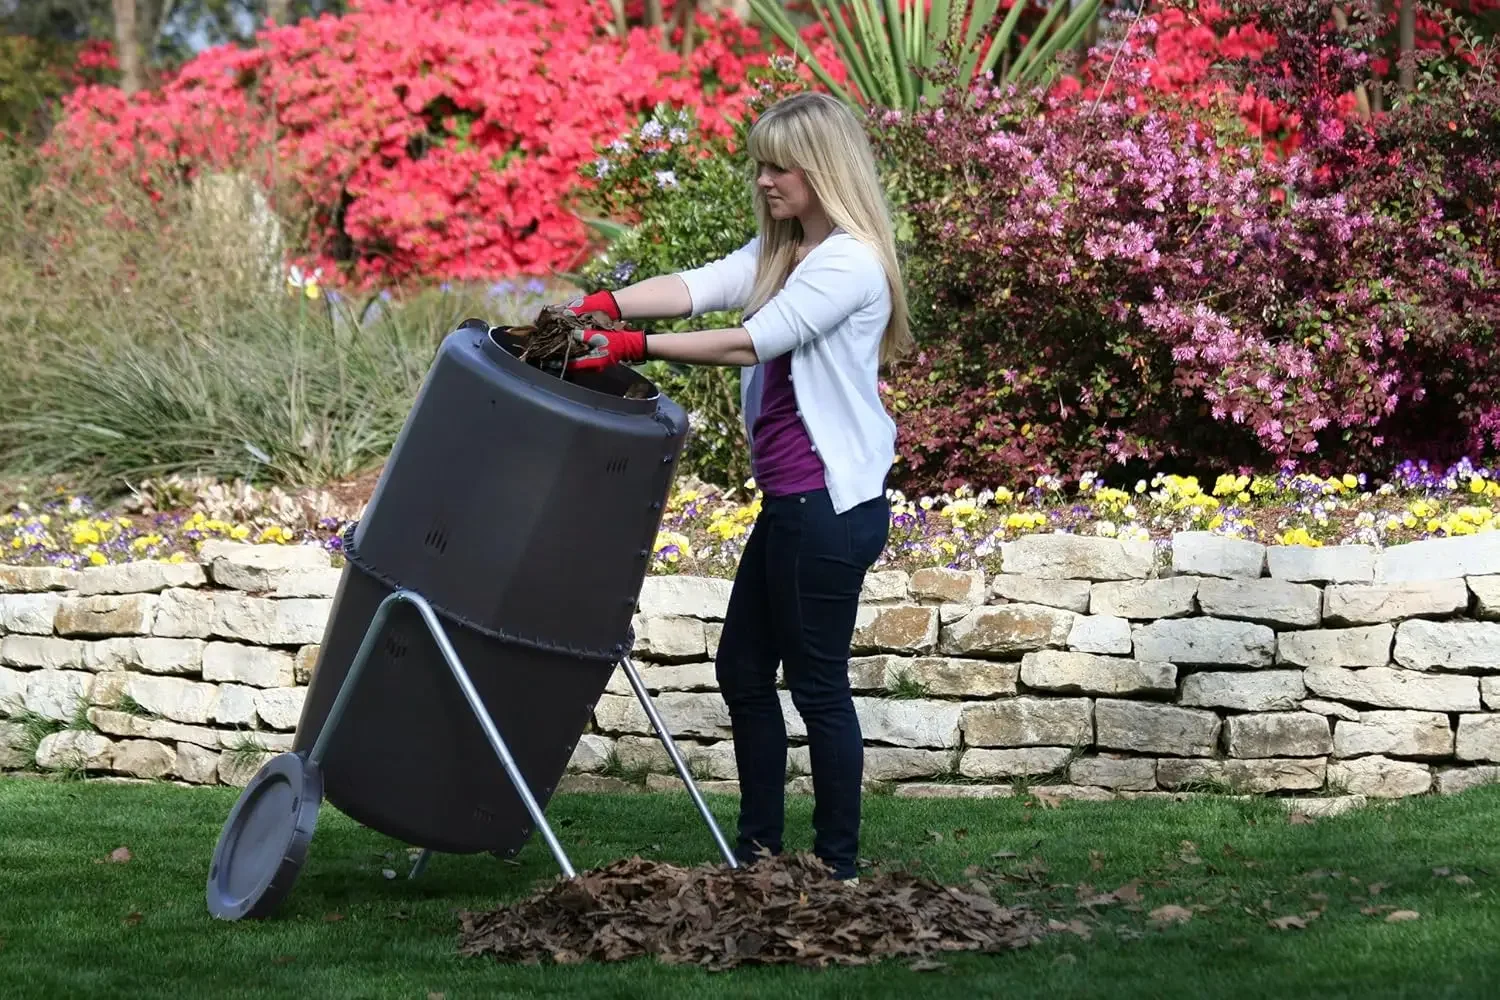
{"points": [[666, 179], [677, 134], [651, 130]]}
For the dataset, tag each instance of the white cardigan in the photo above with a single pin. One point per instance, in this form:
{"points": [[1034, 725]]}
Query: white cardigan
{"points": [[831, 315]]}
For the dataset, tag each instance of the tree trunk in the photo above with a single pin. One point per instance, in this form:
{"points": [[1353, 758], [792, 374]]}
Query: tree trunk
{"points": [[128, 46], [1408, 43], [279, 11]]}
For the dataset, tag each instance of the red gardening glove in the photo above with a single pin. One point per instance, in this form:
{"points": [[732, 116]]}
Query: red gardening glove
{"points": [[602, 348], [602, 301]]}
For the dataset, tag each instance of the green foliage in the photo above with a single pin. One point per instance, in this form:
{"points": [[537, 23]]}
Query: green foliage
{"points": [[34, 75], [134, 343], [676, 200], [889, 58]]}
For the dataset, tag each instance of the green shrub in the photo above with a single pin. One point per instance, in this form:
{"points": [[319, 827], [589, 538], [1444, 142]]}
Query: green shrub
{"points": [[676, 199]]}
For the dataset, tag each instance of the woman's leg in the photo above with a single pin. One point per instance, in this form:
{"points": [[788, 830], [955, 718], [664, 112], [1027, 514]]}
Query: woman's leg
{"points": [[746, 669], [816, 578]]}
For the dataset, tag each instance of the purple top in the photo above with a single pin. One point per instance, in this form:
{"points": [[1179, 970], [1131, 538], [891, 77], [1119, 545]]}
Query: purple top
{"points": [[784, 461]]}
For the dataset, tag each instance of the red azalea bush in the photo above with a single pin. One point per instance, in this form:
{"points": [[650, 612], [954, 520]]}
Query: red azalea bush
{"points": [[1102, 284], [418, 137]]}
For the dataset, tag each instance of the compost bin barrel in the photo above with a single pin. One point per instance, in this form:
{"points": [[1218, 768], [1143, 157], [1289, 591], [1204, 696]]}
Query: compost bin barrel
{"points": [[524, 508]]}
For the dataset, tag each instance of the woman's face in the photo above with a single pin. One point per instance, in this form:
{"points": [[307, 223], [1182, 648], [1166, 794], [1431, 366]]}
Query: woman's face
{"points": [[788, 195]]}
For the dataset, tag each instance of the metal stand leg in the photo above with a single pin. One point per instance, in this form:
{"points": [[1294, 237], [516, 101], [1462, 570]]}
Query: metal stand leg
{"points": [[420, 865], [461, 676], [677, 761]]}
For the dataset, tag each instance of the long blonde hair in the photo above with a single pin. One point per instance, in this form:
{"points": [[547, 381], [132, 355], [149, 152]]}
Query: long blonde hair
{"points": [[820, 135]]}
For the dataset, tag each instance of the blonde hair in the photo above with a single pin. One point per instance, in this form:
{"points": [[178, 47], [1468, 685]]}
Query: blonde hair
{"points": [[820, 135]]}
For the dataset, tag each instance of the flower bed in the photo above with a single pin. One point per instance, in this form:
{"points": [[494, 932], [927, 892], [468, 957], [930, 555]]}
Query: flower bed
{"points": [[704, 527]]}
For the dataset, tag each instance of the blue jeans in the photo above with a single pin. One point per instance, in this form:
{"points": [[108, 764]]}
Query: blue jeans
{"points": [[794, 602]]}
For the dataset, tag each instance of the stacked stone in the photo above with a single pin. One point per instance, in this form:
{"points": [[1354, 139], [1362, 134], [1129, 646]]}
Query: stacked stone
{"points": [[191, 672], [1097, 667], [1085, 664]]}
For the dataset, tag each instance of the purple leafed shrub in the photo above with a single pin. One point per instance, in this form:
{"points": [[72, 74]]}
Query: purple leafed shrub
{"points": [[1097, 284]]}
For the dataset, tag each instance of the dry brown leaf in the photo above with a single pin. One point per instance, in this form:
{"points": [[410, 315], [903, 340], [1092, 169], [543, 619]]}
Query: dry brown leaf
{"points": [[1441, 872], [332, 918], [1130, 892], [1462, 880], [119, 856], [1376, 888], [133, 917], [1171, 913], [1399, 916], [926, 965], [1298, 818], [1294, 921], [1096, 861]]}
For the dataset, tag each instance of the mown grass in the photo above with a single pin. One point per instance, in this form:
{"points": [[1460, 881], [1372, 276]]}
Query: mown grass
{"points": [[72, 924]]}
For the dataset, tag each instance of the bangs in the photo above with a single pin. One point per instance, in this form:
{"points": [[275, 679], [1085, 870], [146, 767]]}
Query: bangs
{"points": [[770, 142]]}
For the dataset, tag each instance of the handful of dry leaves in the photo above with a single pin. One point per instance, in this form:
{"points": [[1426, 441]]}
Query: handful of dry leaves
{"points": [[549, 341], [778, 911]]}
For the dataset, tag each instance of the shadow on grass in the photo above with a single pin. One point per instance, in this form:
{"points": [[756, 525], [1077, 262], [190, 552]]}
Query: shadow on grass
{"points": [[73, 924]]}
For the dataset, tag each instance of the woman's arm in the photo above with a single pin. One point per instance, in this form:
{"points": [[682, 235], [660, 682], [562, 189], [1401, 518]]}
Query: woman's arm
{"points": [[731, 347], [664, 296]]}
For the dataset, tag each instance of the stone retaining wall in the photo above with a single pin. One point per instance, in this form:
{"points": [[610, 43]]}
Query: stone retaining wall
{"points": [[1092, 666]]}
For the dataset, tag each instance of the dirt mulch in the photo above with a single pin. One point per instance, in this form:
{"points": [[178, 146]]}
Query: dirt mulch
{"points": [[778, 911]]}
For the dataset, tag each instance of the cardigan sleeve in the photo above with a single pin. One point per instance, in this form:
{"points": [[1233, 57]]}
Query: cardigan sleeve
{"points": [[724, 283], [839, 277]]}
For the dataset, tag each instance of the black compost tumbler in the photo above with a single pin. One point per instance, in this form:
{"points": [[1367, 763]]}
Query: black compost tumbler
{"points": [[523, 509]]}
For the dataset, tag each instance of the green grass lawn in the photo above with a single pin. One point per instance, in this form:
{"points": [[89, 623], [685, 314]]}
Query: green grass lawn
{"points": [[73, 925]]}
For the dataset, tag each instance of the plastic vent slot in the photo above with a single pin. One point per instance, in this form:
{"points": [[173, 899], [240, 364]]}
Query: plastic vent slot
{"points": [[436, 538], [615, 466]]}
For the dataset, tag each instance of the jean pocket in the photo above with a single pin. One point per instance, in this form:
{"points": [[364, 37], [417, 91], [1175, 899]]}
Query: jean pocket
{"points": [[867, 528]]}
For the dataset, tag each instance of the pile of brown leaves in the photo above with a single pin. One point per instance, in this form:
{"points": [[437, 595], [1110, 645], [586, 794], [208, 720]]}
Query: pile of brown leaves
{"points": [[782, 910]]}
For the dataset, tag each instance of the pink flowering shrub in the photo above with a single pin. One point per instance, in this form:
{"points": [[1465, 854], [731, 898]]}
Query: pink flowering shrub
{"points": [[1106, 282]]}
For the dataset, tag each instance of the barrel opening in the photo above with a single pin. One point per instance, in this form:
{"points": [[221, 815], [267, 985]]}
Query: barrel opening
{"points": [[616, 380]]}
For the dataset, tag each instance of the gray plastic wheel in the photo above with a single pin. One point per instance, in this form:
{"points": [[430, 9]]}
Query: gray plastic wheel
{"points": [[263, 845]]}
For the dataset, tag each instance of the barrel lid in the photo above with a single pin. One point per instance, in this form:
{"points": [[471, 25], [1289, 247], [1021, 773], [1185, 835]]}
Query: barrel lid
{"points": [[263, 844]]}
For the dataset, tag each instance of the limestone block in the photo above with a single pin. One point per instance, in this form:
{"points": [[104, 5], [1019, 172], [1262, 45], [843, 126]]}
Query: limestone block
{"points": [[1027, 721], [197, 765], [41, 652], [1278, 734], [1360, 604], [1393, 687], [1132, 773], [1324, 564], [945, 677], [1395, 733], [36, 579], [1203, 553], [29, 614], [1438, 558], [1100, 634], [1086, 673], [941, 585], [685, 596], [1429, 645], [1007, 629], [264, 568], [1368, 646], [899, 629], [150, 654], [1380, 777], [1206, 642], [1148, 600], [237, 663], [174, 698], [669, 638], [143, 759], [1478, 737], [1070, 595], [1060, 556], [1261, 691], [143, 576], [1021, 762], [1244, 777], [1146, 727], [884, 586], [74, 748], [1278, 603], [265, 621], [58, 694], [106, 614], [1452, 780], [280, 708], [184, 614]]}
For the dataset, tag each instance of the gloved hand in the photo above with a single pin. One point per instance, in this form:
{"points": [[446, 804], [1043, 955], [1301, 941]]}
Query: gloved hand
{"points": [[602, 348], [602, 301]]}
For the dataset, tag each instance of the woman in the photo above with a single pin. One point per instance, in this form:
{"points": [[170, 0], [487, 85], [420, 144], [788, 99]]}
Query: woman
{"points": [[820, 287]]}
